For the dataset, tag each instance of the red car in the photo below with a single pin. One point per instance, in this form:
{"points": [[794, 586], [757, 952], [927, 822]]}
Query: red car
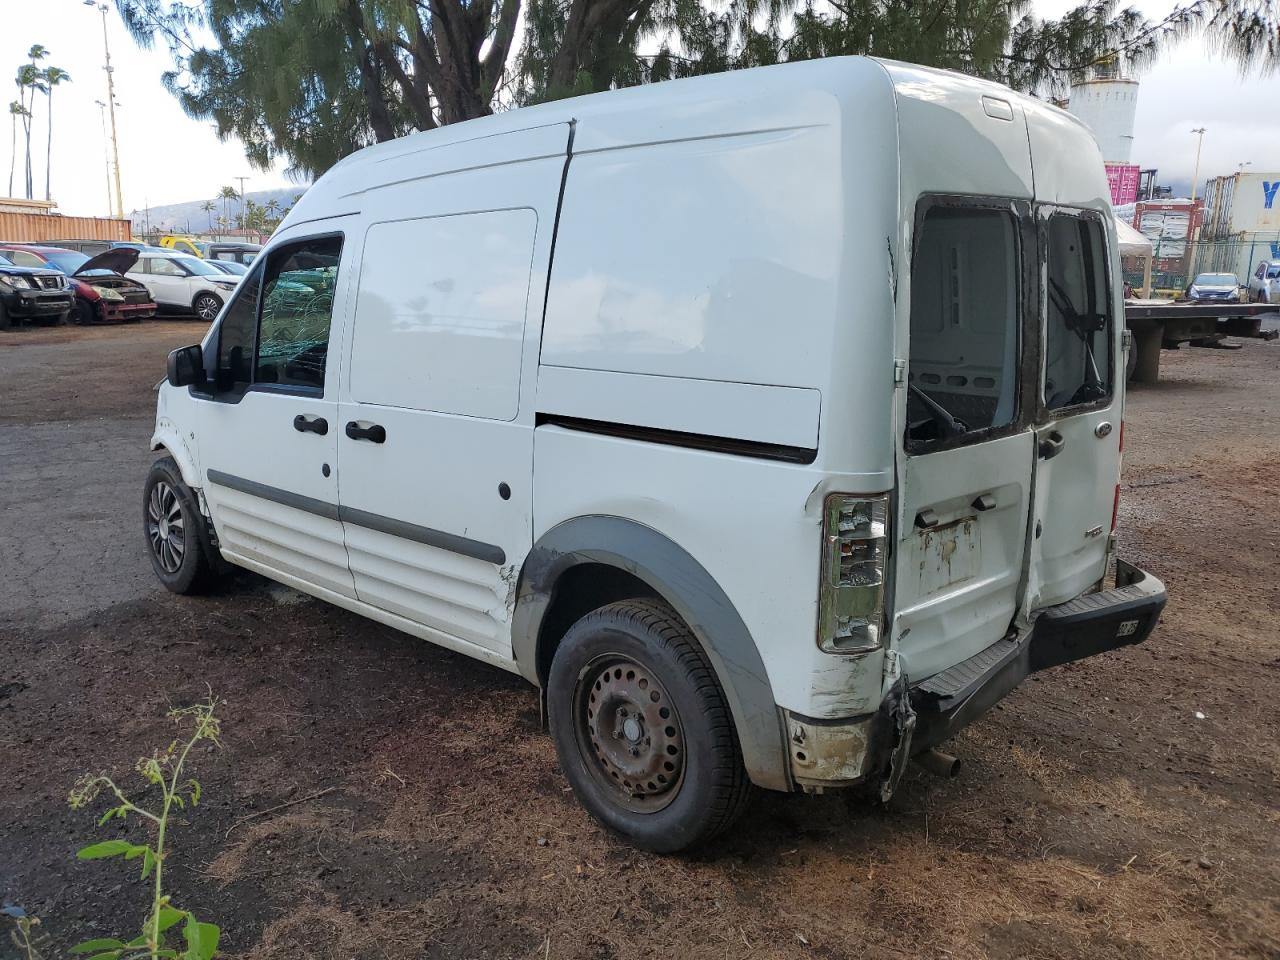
{"points": [[103, 293]]}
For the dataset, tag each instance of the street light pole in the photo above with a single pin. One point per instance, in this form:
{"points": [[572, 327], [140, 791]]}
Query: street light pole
{"points": [[111, 106], [106, 157], [1195, 177]]}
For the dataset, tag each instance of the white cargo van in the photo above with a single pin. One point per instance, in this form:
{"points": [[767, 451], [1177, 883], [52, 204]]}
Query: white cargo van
{"points": [[768, 422]]}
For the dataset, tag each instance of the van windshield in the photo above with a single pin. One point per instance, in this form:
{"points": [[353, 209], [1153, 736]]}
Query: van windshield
{"points": [[962, 375]]}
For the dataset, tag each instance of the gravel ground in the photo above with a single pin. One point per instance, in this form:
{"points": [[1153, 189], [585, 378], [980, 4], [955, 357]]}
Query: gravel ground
{"points": [[1126, 806]]}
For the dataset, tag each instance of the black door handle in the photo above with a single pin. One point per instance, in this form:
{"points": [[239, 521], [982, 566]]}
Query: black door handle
{"points": [[374, 433], [1052, 445], [305, 424]]}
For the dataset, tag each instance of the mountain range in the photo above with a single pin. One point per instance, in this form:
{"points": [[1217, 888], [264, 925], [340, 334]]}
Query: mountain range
{"points": [[188, 217]]}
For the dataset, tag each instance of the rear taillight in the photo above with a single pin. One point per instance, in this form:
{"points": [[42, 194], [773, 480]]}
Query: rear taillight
{"points": [[851, 594]]}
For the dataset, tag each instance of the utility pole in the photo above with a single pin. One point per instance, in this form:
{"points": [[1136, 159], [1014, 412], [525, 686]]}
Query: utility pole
{"points": [[106, 156], [111, 106], [1199, 131], [243, 214]]}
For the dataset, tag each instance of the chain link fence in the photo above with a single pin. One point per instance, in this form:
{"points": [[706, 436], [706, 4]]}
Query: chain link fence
{"points": [[1176, 263]]}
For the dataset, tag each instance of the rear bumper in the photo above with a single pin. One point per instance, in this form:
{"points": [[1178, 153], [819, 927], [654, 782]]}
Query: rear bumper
{"points": [[915, 717], [1080, 628]]}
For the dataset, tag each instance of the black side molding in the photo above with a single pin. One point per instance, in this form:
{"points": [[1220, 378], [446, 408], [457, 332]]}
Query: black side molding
{"points": [[678, 438], [321, 508], [432, 538], [476, 549]]}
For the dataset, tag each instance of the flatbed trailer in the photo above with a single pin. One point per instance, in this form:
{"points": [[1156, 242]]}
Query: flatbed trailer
{"points": [[1167, 324]]}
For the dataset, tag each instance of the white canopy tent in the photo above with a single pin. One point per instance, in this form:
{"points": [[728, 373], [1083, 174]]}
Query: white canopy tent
{"points": [[1134, 244]]}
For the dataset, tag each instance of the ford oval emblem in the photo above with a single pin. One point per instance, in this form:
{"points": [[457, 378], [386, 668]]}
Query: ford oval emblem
{"points": [[1102, 430]]}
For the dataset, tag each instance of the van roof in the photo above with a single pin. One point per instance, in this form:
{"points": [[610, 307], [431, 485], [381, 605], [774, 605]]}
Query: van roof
{"points": [[798, 94]]}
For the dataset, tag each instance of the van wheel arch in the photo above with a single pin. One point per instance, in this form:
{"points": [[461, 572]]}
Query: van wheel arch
{"points": [[587, 562]]}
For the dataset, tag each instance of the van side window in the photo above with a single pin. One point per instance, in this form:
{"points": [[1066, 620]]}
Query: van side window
{"points": [[1078, 327], [297, 307], [236, 334], [962, 376], [440, 313]]}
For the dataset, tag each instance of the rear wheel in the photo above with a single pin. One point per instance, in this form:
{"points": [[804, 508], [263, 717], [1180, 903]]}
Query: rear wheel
{"points": [[206, 306], [642, 728], [176, 541]]}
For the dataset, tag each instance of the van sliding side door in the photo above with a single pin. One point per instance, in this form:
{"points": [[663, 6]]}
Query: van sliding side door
{"points": [[436, 414]]}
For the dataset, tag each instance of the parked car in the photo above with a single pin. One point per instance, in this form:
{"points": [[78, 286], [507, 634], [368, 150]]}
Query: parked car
{"points": [[1264, 285], [233, 267], [234, 252], [103, 294], [32, 293], [787, 496], [183, 244], [92, 247], [1214, 288], [181, 282]]}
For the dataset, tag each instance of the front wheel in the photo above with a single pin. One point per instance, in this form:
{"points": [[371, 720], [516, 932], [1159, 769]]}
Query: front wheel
{"points": [[174, 527], [206, 306], [642, 728]]}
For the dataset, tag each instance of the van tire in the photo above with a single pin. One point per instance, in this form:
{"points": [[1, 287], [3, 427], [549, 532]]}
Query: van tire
{"points": [[648, 639], [5, 322], [185, 562]]}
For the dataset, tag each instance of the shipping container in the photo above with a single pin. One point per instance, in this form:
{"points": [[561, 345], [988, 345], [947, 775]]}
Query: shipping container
{"points": [[34, 227]]}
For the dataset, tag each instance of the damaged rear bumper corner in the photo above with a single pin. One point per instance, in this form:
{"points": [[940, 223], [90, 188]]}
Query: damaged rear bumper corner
{"points": [[828, 754]]}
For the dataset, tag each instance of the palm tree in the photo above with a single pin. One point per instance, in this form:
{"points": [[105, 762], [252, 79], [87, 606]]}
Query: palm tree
{"points": [[16, 110], [30, 77], [52, 77], [226, 194], [208, 207]]}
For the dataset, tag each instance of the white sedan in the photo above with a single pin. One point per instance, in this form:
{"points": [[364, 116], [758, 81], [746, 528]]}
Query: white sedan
{"points": [[178, 281]]}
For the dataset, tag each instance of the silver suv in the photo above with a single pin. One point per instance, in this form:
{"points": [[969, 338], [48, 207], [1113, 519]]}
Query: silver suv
{"points": [[1264, 285]]}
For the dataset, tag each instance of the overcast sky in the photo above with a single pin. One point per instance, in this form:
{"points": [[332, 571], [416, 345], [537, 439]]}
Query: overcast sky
{"points": [[166, 157]]}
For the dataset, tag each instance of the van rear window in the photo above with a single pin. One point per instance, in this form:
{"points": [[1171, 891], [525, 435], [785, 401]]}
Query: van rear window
{"points": [[962, 376], [1078, 329]]}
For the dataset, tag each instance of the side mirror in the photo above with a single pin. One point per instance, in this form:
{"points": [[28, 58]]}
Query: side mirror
{"points": [[186, 366]]}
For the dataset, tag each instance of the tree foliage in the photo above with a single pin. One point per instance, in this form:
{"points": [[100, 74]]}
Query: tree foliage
{"points": [[313, 80]]}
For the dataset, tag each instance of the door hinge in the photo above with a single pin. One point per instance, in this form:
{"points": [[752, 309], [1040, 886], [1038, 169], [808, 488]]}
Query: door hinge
{"points": [[899, 372], [1126, 340]]}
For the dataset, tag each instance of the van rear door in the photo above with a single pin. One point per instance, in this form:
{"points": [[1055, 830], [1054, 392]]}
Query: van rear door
{"points": [[968, 444], [1078, 416]]}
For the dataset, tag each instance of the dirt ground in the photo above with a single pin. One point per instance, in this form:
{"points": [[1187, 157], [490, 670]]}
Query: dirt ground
{"points": [[1127, 806]]}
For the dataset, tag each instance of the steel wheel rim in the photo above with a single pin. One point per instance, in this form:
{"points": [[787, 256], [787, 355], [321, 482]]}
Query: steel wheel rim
{"points": [[629, 733], [206, 308], [166, 527]]}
